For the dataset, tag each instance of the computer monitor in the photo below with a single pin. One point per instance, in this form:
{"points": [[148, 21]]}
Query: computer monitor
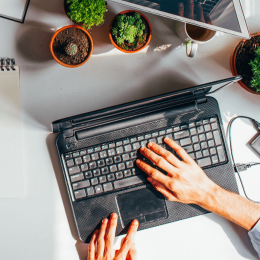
{"points": [[219, 15]]}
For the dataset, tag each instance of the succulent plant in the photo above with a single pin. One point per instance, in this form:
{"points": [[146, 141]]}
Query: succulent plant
{"points": [[71, 49]]}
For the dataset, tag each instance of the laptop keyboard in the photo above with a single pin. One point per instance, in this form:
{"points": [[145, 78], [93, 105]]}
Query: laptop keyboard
{"points": [[109, 167]]}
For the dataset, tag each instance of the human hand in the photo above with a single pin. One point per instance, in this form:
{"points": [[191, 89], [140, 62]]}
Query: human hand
{"points": [[185, 182], [188, 9], [102, 242]]}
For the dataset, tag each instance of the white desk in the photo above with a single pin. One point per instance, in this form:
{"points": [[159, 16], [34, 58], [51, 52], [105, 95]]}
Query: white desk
{"points": [[38, 226]]}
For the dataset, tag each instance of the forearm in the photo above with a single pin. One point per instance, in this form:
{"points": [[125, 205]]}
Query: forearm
{"points": [[231, 206]]}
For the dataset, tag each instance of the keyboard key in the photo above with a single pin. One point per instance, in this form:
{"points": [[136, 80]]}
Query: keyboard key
{"points": [[136, 171], [129, 181], [207, 127], [88, 174], [68, 156], [103, 154], [127, 173], [70, 163], [155, 134], [92, 165], [169, 130], [126, 141], [140, 138], [188, 149], [84, 167], [213, 151], [77, 177], [196, 147], [73, 170], [209, 135], [192, 155], [153, 140], [129, 164], [110, 177], [101, 163], [202, 137], [104, 147], [213, 119], [102, 179], [198, 123], [94, 156], [90, 150], [217, 139], [119, 143], [107, 186], [94, 181], [128, 148], [104, 170], [84, 152], [78, 160], [80, 194], [205, 121], [221, 153], [214, 159], [97, 149], [86, 158], [193, 131], [205, 152], [121, 166], [169, 136], [147, 136], [191, 125], [198, 154], [133, 155], [80, 185], [200, 129], [160, 139], [98, 189], [211, 143], [143, 143], [125, 157], [90, 191], [204, 162], [119, 175], [76, 154], [195, 139], [96, 172], [109, 161], [117, 159], [136, 146], [214, 126], [185, 141], [132, 140], [113, 168], [204, 145], [111, 152], [112, 145], [119, 150], [183, 127], [181, 134], [162, 132], [176, 129]]}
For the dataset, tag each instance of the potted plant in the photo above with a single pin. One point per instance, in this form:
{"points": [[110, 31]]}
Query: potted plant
{"points": [[245, 61], [86, 12], [130, 31], [71, 46]]}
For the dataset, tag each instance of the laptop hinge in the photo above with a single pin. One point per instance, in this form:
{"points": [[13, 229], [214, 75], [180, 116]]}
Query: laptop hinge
{"points": [[200, 96]]}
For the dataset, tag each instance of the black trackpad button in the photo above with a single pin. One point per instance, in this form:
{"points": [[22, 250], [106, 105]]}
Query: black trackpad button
{"points": [[145, 205]]}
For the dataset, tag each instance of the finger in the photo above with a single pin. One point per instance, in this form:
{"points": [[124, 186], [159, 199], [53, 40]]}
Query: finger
{"points": [[110, 235], [155, 174], [199, 12], [190, 9], [181, 9], [128, 240], [162, 189], [100, 238], [179, 150], [168, 156], [91, 248], [132, 253]]}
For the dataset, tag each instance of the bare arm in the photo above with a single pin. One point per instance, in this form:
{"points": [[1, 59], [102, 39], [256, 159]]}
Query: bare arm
{"points": [[186, 182]]}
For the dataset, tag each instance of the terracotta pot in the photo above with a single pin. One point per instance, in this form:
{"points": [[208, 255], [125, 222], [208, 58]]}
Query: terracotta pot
{"points": [[113, 42], [233, 64], [90, 46]]}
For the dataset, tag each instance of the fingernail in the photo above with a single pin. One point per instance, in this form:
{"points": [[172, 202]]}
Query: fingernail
{"points": [[166, 138], [142, 149], [104, 221], [135, 222], [113, 215], [150, 145], [138, 161]]}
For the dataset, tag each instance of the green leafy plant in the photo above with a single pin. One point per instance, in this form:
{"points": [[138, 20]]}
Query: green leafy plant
{"points": [[87, 12], [255, 64], [128, 28]]}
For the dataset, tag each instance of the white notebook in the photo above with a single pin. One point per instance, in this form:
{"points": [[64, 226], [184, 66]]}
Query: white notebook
{"points": [[11, 153], [13, 9]]}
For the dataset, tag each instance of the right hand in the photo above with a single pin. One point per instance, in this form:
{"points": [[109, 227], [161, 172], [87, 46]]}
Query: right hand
{"points": [[186, 182]]}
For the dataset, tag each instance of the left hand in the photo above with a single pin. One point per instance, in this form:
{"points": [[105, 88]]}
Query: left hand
{"points": [[102, 242]]}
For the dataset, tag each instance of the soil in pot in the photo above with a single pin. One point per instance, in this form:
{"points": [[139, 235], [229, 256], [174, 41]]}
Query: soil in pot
{"points": [[138, 44], [71, 36], [245, 54]]}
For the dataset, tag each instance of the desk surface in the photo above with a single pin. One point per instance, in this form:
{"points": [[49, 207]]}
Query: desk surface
{"points": [[39, 226]]}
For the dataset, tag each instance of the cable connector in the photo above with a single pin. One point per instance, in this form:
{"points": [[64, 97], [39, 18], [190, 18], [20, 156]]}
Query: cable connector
{"points": [[240, 167]]}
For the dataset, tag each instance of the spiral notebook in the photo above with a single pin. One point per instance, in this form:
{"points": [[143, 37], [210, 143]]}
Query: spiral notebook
{"points": [[11, 173]]}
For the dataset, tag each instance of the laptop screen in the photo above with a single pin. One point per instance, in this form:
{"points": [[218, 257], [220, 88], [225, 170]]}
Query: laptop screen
{"points": [[221, 15]]}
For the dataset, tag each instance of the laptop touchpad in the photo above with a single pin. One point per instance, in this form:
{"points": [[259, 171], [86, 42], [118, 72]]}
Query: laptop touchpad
{"points": [[145, 205]]}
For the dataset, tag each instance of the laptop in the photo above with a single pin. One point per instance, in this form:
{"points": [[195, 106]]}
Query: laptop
{"points": [[97, 152]]}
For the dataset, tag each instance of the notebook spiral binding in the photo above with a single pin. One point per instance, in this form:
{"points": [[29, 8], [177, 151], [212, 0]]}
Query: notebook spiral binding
{"points": [[7, 64]]}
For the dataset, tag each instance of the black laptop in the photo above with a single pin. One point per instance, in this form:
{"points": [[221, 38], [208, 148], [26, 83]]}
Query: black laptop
{"points": [[98, 150]]}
